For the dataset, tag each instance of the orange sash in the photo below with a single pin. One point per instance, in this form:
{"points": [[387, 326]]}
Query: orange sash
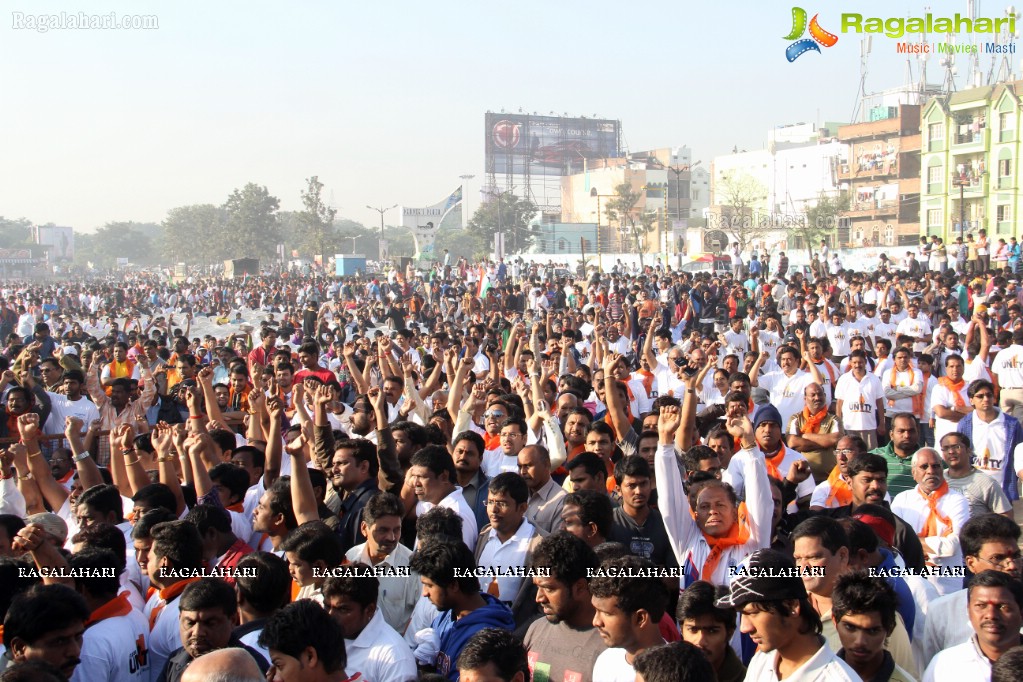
{"points": [[119, 370], [918, 399], [648, 379], [236, 507], [812, 422], [773, 462], [738, 534], [931, 524], [118, 606], [168, 594], [955, 389], [840, 490], [491, 442]]}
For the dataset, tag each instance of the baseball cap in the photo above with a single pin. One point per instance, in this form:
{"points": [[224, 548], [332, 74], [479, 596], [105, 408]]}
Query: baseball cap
{"points": [[51, 525], [768, 575]]}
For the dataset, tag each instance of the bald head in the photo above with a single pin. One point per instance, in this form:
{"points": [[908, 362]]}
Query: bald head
{"points": [[224, 665]]}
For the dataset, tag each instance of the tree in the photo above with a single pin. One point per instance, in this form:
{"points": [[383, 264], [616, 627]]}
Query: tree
{"points": [[252, 227], [742, 194], [821, 220], [195, 233], [318, 235], [116, 240], [505, 213], [14, 232], [621, 209]]}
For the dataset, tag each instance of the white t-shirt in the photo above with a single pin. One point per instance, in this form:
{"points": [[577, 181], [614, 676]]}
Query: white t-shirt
{"points": [[737, 475], [945, 398], [989, 446], [824, 666], [859, 401], [786, 392], [380, 654], [456, 502], [61, 408], [1008, 367], [839, 335], [611, 666], [111, 650]]}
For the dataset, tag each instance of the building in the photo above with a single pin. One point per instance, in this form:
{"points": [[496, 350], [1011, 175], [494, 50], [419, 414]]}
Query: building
{"points": [[882, 174], [970, 162], [772, 187]]}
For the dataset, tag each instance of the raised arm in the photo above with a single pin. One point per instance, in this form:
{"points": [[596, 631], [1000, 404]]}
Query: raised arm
{"points": [[303, 498], [88, 472], [205, 377], [274, 444], [679, 522], [389, 476], [648, 343], [358, 378], [615, 404], [53, 493], [163, 443]]}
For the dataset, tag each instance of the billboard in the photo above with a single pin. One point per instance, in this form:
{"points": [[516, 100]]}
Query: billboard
{"points": [[524, 144], [61, 241]]}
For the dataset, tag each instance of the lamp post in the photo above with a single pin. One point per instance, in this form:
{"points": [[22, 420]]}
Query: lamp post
{"points": [[961, 180], [678, 171], [381, 211], [598, 196]]}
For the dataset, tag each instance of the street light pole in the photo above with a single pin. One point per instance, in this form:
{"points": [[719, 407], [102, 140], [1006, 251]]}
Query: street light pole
{"points": [[381, 211]]}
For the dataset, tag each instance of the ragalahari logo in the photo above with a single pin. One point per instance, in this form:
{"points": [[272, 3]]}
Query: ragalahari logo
{"points": [[817, 35]]}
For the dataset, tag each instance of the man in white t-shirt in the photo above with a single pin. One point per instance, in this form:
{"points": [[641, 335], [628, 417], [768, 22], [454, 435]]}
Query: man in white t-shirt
{"points": [[432, 476], [902, 385], [860, 401], [916, 326], [1008, 367], [786, 386], [949, 399], [625, 632]]}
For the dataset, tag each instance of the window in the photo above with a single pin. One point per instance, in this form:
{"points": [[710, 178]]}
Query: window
{"points": [[1006, 126], [935, 179], [934, 217], [1004, 167], [1003, 213], [935, 136]]}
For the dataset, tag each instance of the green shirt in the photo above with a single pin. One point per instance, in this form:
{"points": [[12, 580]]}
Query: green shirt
{"points": [[900, 470]]}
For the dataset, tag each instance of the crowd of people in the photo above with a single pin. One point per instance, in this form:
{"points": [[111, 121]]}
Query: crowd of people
{"points": [[514, 472]]}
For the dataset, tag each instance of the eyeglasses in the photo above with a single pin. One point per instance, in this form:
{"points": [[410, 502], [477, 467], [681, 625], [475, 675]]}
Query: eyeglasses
{"points": [[984, 396], [1003, 562], [953, 448], [847, 452], [493, 414], [498, 505]]}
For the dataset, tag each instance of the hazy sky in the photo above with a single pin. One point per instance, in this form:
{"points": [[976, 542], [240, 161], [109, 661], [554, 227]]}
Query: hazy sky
{"points": [[384, 101]]}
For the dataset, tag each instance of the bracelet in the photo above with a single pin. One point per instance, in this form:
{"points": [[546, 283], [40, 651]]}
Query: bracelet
{"points": [[125, 452], [26, 477], [35, 454], [166, 458], [196, 416], [82, 456], [131, 464]]}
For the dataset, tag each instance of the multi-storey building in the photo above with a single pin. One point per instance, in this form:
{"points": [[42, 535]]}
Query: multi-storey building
{"points": [[882, 177]]}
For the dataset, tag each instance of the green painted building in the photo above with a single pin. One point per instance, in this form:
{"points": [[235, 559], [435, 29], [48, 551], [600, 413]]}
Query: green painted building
{"points": [[970, 162]]}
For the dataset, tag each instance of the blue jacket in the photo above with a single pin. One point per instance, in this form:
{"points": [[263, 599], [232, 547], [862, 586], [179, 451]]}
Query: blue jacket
{"points": [[1013, 437], [453, 634], [906, 604]]}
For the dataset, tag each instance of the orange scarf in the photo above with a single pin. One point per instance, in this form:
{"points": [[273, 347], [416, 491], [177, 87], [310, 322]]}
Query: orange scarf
{"points": [[168, 594], [931, 524], [840, 490], [918, 399], [238, 507], [491, 442], [812, 422], [773, 462], [118, 606], [119, 370], [738, 534], [955, 389], [648, 379]]}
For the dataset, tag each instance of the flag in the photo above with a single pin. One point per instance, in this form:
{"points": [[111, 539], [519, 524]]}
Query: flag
{"points": [[484, 282]]}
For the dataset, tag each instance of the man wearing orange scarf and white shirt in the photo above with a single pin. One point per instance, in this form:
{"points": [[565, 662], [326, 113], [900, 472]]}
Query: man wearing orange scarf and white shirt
{"points": [[903, 386], [720, 532], [949, 400], [835, 491], [937, 514]]}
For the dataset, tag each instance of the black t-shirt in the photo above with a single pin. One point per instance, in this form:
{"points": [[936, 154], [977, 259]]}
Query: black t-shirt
{"points": [[649, 541]]}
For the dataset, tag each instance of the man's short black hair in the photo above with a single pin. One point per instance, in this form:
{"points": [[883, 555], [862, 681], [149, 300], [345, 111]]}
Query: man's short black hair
{"points": [[362, 589], [698, 600], [859, 593], [633, 594], [439, 522], [209, 593], [591, 463], [363, 451], [268, 587], [315, 541], [156, 495], [869, 462], [304, 624], [497, 646], [438, 562], [826, 529], [232, 477], [568, 557], [41, 610], [208, 516], [594, 507], [986, 528], [106, 499], [1009, 666], [992, 578], [436, 459], [511, 484], [674, 662], [144, 524], [179, 542], [97, 570], [380, 505]]}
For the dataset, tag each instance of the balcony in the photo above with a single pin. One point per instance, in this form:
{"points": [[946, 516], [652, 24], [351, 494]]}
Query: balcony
{"points": [[872, 208], [971, 185], [970, 142]]}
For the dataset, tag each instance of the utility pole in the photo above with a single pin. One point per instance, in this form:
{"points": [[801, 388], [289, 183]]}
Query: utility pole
{"points": [[382, 211]]}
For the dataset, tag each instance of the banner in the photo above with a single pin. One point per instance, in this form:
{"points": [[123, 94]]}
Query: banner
{"points": [[424, 222]]}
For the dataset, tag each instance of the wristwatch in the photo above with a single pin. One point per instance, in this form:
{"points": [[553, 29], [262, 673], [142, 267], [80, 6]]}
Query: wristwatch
{"points": [[82, 456]]}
